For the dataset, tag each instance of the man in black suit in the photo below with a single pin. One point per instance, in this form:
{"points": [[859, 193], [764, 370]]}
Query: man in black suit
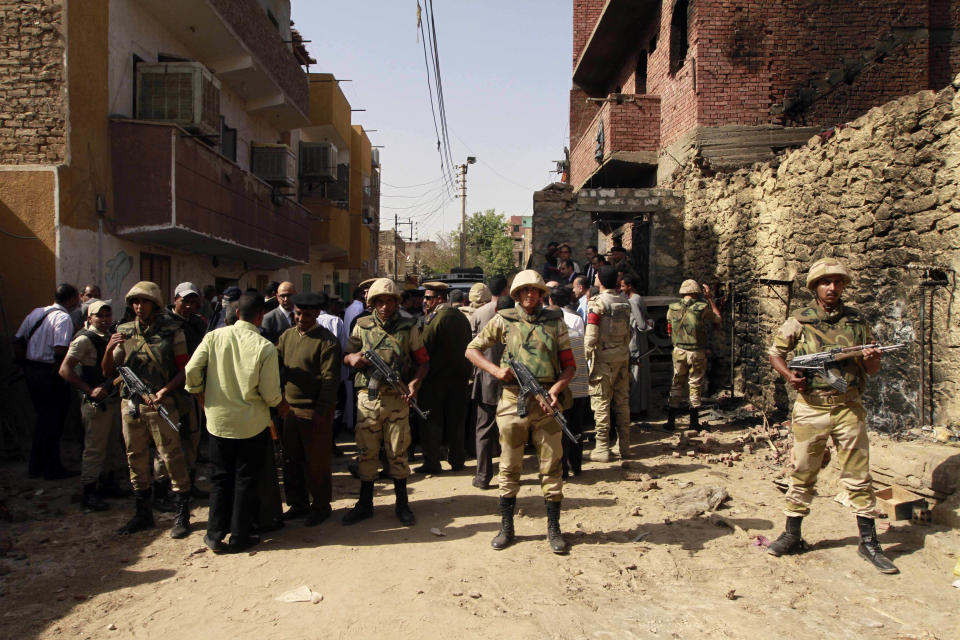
{"points": [[281, 318]]}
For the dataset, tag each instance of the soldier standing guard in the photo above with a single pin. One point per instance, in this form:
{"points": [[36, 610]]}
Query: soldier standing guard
{"points": [[382, 413], [538, 338], [155, 349], [607, 347], [821, 412], [687, 324]]}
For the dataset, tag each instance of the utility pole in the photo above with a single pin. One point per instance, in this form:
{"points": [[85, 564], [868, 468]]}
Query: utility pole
{"points": [[463, 210], [395, 247]]}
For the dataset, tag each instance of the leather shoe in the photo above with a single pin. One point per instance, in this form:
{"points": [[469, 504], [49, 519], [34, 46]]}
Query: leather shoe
{"points": [[316, 516], [242, 545], [295, 512], [425, 468], [479, 484], [217, 546]]}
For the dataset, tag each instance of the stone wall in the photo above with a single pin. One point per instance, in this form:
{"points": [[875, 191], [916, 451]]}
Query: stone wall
{"points": [[557, 219], [881, 194], [32, 84]]}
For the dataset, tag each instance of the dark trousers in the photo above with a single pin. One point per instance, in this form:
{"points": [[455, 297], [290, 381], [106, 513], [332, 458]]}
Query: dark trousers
{"points": [[308, 458], [488, 439], [269, 500], [446, 400], [51, 400], [237, 464], [573, 453]]}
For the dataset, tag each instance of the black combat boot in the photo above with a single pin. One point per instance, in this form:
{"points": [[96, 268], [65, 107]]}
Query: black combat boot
{"points": [[162, 498], [557, 543], [790, 540], [91, 499], [181, 524], [869, 548], [364, 507], [505, 535], [403, 506], [671, 419], [695, 418], [142, 518]]}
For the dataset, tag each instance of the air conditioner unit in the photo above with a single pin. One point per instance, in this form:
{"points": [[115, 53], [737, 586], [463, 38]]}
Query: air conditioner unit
{"points": [[318, 162], [375, 157], [273, 163], [185, 93]]}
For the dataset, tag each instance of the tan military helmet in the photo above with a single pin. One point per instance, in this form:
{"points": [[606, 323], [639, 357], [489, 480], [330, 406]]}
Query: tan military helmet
{"points": [[527, 278], [148, 290], [382, 287], [480, 293], [689, 288], [826, 267]]}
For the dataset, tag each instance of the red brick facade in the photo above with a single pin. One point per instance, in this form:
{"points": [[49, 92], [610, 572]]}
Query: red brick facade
{"points": [[755, 62]]}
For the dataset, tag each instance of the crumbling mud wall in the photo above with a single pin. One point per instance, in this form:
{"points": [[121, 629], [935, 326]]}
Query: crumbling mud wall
{"points": [[880, 193]]}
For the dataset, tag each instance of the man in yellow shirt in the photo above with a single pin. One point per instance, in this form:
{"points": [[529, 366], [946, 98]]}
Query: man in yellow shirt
{"points": [[236, 373]]}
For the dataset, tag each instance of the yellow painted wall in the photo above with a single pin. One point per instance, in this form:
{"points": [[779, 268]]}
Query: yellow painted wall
{"points": [[28, 274], [328, 105], [359, 167]]}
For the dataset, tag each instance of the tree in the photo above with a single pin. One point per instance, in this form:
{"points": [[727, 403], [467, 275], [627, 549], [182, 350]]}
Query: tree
{"points": [[489, 247]]}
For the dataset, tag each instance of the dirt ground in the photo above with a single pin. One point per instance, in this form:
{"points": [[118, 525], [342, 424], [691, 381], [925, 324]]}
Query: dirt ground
{"points": [[636, 569]]}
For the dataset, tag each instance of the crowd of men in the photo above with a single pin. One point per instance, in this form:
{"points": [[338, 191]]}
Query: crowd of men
{"points": [[430, 368]]}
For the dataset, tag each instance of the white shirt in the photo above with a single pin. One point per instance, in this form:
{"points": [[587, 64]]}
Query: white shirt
{"points": [[56, 330], [331, 323], [574, 323]]}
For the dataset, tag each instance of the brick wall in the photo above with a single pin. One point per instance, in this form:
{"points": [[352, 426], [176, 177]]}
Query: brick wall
{"points": [[747, 58], [585, 16], [881, 195], [32, 84], [631, 126]]}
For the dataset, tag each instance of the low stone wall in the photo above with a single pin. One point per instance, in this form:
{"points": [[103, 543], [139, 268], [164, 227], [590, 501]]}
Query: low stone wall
{"points": [[881, 194]]}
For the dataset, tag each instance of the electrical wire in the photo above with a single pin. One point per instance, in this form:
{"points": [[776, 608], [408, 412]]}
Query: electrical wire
{"points": [[410, 186], [441, 103], [444, 170], [18, 237]]}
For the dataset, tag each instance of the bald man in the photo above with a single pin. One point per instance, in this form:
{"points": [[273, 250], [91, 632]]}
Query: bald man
{"points": [[281, 318]]}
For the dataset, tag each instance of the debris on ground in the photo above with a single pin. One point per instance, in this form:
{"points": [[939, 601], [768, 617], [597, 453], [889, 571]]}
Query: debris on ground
{"points": [[301, 594], [695, 501]]}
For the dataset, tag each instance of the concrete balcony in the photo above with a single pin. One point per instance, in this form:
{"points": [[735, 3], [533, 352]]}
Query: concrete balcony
{"points": [[172, 190], [236, 39], [613, 39], [631, 142], [329, 229]]}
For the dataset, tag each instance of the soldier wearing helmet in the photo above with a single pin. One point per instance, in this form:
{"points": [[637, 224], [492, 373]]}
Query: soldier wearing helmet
{"points": [[687, 324], [607, 347], [382, 413], [479, 296], [538, 338], [155, 348], [821, 413]]}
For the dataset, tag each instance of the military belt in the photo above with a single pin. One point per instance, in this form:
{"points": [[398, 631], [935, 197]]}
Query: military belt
{"points": [[819, 400], [689, 347]]}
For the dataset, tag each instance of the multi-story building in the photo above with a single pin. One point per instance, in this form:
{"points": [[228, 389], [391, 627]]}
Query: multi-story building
{"points": [[662, 85], [518, 228], [393, 259], [163, 140]]}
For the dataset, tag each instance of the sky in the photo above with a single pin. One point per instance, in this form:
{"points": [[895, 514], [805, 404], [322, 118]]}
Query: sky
{"points": [[506, 71]]}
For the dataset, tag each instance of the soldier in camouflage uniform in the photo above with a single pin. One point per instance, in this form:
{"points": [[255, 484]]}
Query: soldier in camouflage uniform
{"points": [[821, 412], [538, 338], [382, 413], [607, 347], [156, 350], [687, 323]]}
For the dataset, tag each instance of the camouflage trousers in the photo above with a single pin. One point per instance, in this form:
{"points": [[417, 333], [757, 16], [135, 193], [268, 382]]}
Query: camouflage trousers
{"points": [[189, 439], [139, 432], [103, 448], [384, 420], [689, 368], [514, 432], [610, 399], [813, 426]]}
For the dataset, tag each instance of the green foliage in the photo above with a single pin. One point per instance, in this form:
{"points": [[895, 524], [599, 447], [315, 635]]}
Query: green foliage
{"points": [[489, 247]]}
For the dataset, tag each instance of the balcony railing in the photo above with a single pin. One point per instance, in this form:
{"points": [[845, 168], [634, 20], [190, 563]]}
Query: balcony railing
{"points": [[631, 134], [172, 190]]}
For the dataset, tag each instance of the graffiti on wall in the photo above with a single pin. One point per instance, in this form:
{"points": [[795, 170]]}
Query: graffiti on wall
{"points": [[118, 267]]}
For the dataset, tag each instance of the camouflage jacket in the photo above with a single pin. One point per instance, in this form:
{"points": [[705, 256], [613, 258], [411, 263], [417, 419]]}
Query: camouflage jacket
{"points": [[153, 352], [397, 341], [812, 329], [688, 320], [608, 327], [539, 341]]}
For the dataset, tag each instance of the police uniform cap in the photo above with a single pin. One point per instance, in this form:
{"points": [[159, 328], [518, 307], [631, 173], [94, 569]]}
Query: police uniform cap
{"points": [[442, 287], [307, 300], [366, 284], [231, 294]]}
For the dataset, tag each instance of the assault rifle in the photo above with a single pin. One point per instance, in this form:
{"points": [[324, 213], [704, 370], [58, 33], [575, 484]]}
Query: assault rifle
{"points": [[387, 374], [529, 385], [140, 393], [823, 363]]}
